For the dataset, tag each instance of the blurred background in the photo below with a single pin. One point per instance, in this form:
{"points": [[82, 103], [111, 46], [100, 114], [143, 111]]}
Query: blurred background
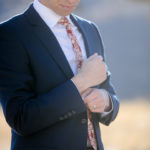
{"points": [[125, 29]]}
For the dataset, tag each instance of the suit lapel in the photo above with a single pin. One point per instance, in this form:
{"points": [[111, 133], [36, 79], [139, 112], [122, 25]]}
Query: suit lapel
{"points": [[47, 38], [84, 33], [49, 41]]}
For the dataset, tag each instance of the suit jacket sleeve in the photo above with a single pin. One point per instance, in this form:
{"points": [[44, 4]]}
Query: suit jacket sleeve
{"points": [[107, 85], [24, 110]]}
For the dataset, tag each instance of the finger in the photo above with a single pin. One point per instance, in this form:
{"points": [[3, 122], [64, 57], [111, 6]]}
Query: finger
{"points": [[100, 57], [92, 56], [90, 97], [86, 92], [97, 109], [95, 93], [96, 104]]}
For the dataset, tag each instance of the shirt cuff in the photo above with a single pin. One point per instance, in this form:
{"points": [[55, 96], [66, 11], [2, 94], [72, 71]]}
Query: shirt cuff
{"points": [[105, 113]]}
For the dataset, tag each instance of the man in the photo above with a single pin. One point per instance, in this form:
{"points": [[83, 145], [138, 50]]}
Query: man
{"points": [[54, 84]]}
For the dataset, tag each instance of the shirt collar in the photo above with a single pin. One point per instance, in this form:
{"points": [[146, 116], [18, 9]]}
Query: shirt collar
{"points": [[47, 14]]}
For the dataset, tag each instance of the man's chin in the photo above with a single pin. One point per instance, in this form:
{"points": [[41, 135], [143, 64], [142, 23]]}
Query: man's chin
{"points": [[65, 12]]}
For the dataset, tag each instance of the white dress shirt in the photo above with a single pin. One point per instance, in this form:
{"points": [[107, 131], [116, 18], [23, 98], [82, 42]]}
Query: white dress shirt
{"points": [[51, 19]]}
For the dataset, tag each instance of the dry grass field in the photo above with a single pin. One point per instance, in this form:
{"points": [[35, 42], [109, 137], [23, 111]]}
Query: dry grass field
{"points": [[130, 131]]}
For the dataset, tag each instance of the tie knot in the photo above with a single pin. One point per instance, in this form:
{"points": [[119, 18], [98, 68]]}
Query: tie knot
{"points": [[64, 21]]}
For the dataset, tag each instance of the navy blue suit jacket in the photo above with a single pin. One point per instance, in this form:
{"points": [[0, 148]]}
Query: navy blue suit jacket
{"points": [[41, 104]]}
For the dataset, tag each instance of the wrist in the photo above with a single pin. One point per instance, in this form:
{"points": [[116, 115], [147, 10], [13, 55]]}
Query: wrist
{"points": [[80, 83]]}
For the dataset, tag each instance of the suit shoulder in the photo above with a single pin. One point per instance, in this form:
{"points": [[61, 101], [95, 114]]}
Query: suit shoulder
{"points": [[11, 24], [83, 20], [10, 42], [89, 25]]}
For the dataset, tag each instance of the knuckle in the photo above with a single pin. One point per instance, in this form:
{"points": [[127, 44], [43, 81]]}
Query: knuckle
{"points": [[91, 109], [104, 65], [99, 59], [105, 77], [102, 100], [87, 99], [98, 94]]}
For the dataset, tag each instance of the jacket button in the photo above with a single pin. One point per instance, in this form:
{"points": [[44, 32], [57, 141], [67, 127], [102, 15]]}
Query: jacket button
{"points": [[69, 114], [65, 116], [61, 118], [73, 112], [83, 121]]}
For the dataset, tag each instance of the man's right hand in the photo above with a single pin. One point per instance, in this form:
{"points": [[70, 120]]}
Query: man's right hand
{"points": [[92, 73]]}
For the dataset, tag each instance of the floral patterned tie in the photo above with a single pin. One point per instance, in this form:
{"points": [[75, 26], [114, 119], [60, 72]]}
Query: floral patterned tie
{"points": [[79, 59]]}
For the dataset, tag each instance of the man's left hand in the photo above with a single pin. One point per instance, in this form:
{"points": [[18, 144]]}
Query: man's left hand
{"points": [[97, 100]]}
